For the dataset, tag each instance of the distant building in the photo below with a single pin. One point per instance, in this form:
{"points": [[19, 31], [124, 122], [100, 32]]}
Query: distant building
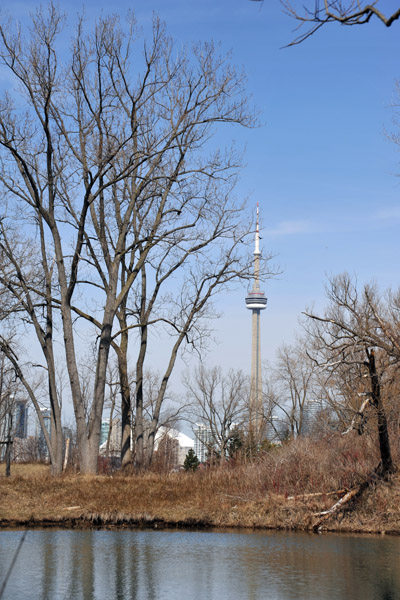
{"points": [[116, 435], [21, 419], [175, 443], [202, 441], [276, 430], [43, 449], [13, 424], [310, 416], [105, 428], [114, 449]]}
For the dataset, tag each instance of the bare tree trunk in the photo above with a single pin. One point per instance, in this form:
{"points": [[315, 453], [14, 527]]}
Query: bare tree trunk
{"points": [[139, 413], [56, 439], [140, 459], [8, 457], [110, 428], [126, 409], [66, 457], [383, 435], [126, 417]]}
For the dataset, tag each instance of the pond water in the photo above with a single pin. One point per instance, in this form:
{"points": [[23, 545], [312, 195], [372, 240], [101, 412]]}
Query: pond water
{"points": [[147, 565]]}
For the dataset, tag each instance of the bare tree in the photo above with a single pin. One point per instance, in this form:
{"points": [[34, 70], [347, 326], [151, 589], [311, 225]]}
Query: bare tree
{"points": [[8, 390], [348, 12], [188, 313], [183, 224], [113, 164], [359, 334], [26, 288], [153, 416], [274, 426], [345, 12], [294, 386], [220, 402]]}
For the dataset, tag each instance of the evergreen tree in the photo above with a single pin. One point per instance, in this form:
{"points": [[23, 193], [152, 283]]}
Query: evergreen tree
{"points": [[191, 461]]}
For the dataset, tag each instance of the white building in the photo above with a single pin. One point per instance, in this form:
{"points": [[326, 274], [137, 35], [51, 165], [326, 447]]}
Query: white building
{"points": [[183, 443]]}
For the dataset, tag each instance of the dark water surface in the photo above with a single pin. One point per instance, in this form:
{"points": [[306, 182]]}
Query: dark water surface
{"points": [[147, 565]]}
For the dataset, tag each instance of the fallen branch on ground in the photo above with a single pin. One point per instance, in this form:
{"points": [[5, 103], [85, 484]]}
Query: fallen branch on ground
{"points": [[317, 494], [326, 514]]}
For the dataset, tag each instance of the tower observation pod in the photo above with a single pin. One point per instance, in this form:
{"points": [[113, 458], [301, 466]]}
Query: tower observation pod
{"points": [[256, 301]]}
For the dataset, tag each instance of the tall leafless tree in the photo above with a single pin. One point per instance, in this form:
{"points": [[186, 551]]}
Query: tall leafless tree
{"points": [[108, 159], [26, 290]]}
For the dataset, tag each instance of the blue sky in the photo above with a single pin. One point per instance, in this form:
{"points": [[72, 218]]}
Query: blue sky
{"points": [[320, 165]]}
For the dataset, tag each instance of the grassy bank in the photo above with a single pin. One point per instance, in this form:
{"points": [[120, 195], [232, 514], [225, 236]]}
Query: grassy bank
{"points": [[210, 499], [286, 489]]}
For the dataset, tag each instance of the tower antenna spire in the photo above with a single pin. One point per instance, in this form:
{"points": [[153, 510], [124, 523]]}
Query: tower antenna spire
{"points": [[257, 240]]}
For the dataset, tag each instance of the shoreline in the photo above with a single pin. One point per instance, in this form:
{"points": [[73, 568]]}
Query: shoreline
{"points": [[133, 524]]}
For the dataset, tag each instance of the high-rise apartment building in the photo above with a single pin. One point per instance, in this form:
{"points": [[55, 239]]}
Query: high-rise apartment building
{"points": [[202, 441], [21, 419]]}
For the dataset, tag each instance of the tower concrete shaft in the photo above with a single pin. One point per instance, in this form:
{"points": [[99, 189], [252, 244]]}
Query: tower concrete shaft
{"points": [[256, 301]]}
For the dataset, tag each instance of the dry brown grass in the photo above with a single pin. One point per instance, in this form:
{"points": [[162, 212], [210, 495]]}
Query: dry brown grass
{"points": [[25, 469], [270, 493]]}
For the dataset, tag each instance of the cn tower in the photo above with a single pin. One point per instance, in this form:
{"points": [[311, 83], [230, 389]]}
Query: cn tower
{"points": [[256, 301]]}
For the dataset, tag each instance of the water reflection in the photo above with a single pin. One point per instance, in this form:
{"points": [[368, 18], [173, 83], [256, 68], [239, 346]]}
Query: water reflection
{"points": [[166, 565]]}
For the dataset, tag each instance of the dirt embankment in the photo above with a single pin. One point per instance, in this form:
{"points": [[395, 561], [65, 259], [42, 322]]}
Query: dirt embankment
{"points": [[208, 499]]}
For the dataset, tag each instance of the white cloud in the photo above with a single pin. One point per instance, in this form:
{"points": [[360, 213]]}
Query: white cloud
{"points": [[343, 222], [295, 227], [390, 212]]}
